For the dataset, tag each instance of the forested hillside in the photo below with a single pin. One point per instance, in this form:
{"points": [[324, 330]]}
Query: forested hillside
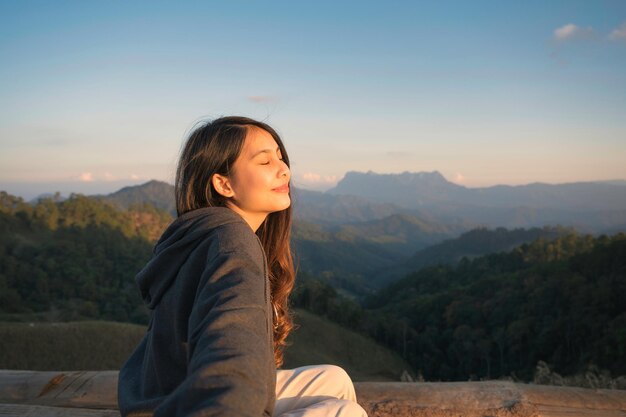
{"points": [[476, 242], [481, 241], [558, 301], [74, 259], [157, 193]]}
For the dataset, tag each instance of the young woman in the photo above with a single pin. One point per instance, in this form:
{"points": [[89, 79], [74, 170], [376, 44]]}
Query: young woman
{"points": [[218, 287]]}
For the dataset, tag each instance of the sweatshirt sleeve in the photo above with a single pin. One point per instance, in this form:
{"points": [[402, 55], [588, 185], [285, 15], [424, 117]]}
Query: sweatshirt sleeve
{"points": [[230, 348]]}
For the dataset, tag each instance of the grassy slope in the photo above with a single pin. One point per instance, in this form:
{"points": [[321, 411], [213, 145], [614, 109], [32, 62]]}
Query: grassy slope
{"points": [[320, 341], [85, 345], [99, 345]]}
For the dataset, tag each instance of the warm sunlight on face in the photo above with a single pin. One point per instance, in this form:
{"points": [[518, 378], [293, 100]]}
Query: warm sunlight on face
{"points": [[259, 179]]}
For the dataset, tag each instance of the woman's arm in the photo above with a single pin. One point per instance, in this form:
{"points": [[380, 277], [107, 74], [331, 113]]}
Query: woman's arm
{"points": [[231, 363]]}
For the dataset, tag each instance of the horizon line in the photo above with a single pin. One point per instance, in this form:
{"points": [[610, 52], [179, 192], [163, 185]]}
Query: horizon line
{"points": [[124, 183]]}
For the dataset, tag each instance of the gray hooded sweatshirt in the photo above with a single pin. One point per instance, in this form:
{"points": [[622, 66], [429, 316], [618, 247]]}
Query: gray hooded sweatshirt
{"points": [[208, 350]]}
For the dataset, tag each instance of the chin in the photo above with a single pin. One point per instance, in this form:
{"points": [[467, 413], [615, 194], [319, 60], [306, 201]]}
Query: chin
{"points": [[283, 205]]}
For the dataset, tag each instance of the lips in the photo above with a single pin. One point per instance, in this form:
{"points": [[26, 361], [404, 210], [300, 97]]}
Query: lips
{"points": [[282, 189]]}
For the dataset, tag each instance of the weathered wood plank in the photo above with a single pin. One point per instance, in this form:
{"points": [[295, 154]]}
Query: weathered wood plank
{"points": [[469, 399], [42, 411], [487, 398], [80, 389]]}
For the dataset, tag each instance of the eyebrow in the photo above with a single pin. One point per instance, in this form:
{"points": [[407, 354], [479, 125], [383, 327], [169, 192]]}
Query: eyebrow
{"points": [[264, 151]]}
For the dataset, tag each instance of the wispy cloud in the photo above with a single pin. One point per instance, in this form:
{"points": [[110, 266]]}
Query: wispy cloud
{"points": [[315, 181], [86, 177], [106, 176], [459, 178], [618, 34], [313, 178], [571, 32], [262, 99]]}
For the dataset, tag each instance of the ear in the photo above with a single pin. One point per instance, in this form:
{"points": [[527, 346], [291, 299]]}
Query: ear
{"points": [[221, 184]]}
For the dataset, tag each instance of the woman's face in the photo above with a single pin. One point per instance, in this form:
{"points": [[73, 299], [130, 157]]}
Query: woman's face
{"points": [[259, 179]]}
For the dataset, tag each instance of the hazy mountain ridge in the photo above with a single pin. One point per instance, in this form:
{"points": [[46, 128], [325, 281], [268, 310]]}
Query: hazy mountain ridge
{"points": [[592, 207], [353, 252], [361, 244], [474, 243], [412, 190], [158, 193], [400, 233], [481, 241], [328, 209], [588, 206], [408, 189]]}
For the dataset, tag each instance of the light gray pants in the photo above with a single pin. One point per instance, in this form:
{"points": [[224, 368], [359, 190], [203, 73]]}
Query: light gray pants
{"points": [[316, 391]]}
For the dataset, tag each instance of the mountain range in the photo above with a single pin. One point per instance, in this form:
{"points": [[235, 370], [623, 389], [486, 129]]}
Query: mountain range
{"points": [[412, 190], [374, 228], [591, 207]]}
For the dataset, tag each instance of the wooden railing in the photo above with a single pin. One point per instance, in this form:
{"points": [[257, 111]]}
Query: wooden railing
{"points": [[94, 394]]}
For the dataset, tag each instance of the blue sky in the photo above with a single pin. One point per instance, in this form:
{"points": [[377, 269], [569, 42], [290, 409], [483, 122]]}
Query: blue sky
{"points": [[96, 95]]}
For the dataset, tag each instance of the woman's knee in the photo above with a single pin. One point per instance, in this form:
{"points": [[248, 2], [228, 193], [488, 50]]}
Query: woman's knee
{"points": [[335, 372], [340, 378]]}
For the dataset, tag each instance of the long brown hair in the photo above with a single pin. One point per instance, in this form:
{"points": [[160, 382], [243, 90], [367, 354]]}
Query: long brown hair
{"points": [[213, 148]]}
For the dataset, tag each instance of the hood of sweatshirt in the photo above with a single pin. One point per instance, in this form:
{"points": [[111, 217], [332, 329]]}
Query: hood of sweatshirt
{"points": [[173, 248]]}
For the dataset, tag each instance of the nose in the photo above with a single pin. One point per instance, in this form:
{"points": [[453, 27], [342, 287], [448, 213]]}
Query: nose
{"points": [[284, 170]]}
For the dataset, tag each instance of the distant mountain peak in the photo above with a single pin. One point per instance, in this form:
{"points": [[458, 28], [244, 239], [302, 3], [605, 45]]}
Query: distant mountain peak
{"points": [[406, 188], [159, 193], [148, 184], [405, 178]]}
